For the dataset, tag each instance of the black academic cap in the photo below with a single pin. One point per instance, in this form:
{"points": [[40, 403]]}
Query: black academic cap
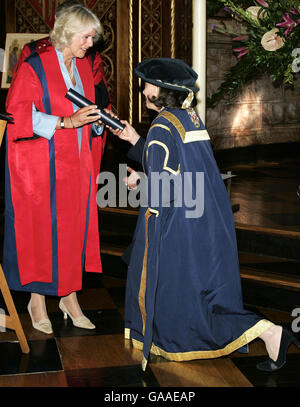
{"points": [[170, 73]]}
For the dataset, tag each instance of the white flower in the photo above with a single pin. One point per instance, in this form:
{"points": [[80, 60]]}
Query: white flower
{"points": [[254, 11], [271, 41]]}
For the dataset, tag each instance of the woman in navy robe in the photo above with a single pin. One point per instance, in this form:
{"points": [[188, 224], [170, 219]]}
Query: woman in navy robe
{"points": [[183, 293]]}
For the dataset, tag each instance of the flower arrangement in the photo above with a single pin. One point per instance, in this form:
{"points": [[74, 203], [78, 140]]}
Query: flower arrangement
{"points": [[271, 44]]}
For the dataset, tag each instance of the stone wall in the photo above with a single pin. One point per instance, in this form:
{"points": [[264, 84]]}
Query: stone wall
{"points": [[262, 114]]}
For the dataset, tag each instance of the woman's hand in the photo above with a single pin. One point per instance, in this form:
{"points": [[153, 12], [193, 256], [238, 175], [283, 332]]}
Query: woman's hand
{"points": [[83, 116], [132, 179], [128, 134]]}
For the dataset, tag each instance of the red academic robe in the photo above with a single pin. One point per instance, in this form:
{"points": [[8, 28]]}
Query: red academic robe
{"points": [[51, 229], [96, 62]]}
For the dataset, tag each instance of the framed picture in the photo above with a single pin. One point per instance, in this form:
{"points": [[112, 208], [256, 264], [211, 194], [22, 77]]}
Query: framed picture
{"points": [[13, 46]]}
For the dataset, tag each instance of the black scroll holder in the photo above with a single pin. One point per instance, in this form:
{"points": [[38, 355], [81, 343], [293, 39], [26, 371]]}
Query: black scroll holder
{"points": [[106, 118]]}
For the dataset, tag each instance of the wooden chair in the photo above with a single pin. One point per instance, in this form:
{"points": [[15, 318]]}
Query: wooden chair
{"points": [[12, 320]]}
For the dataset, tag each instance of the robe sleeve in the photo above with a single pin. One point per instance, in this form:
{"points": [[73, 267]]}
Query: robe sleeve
{"points": [[25, 91], [162, 167], [24, 54], [135, 152]]}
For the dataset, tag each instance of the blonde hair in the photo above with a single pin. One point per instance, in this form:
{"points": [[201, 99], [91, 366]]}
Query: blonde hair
{"points": [[71, 21]]}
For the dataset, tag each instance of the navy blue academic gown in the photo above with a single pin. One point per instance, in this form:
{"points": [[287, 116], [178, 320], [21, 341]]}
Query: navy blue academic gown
{"points": [[183, 293]]}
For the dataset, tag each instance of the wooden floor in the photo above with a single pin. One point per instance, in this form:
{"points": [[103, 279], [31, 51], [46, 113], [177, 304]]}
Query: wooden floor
{"points": [[103, 359]]}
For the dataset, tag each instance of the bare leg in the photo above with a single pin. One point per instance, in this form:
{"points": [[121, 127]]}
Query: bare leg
{"points": [[38, 307], [272, 338], [38, 313], [69, 305], [72, 305]]}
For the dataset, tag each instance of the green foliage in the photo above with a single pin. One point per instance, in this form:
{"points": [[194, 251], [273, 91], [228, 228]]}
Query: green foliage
{"points": [[214, 6], [276, 63]]}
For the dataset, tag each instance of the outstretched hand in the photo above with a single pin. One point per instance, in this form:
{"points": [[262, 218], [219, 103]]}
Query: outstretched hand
{"points": [[127, 134]]}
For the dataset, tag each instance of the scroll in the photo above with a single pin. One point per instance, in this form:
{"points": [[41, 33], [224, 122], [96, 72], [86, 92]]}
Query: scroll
{"points": [[81, 101]]}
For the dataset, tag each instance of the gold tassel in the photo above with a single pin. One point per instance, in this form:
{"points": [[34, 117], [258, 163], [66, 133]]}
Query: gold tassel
{"points": [[187, 103]]}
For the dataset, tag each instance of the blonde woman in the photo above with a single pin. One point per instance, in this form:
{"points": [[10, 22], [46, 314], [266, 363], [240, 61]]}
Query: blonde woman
{"points": [[51, 225]]}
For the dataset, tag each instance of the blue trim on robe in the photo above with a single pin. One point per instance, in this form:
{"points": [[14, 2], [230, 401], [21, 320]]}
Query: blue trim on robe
{"points": [[10, 257], [13, 275], [10, 261], [86, 225], [32, 47], [36, 64], [53, 215]]}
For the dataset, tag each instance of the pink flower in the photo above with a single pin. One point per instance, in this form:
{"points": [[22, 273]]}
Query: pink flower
{"points": [[288, 23], [262, 3], [241, 38], [271, 41], [294, 11], [242, 51]]}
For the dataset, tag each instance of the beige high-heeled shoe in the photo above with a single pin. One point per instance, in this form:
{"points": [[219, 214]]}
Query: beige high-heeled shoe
{"points": [[80, 322], [44, 325]]}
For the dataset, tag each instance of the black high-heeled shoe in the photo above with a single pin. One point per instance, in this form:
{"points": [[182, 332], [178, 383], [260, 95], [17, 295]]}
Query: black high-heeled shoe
{"points": [[287, 338]]}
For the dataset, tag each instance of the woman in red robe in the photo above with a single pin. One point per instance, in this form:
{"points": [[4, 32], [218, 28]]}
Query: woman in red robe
{"points": [[51, 221]]}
